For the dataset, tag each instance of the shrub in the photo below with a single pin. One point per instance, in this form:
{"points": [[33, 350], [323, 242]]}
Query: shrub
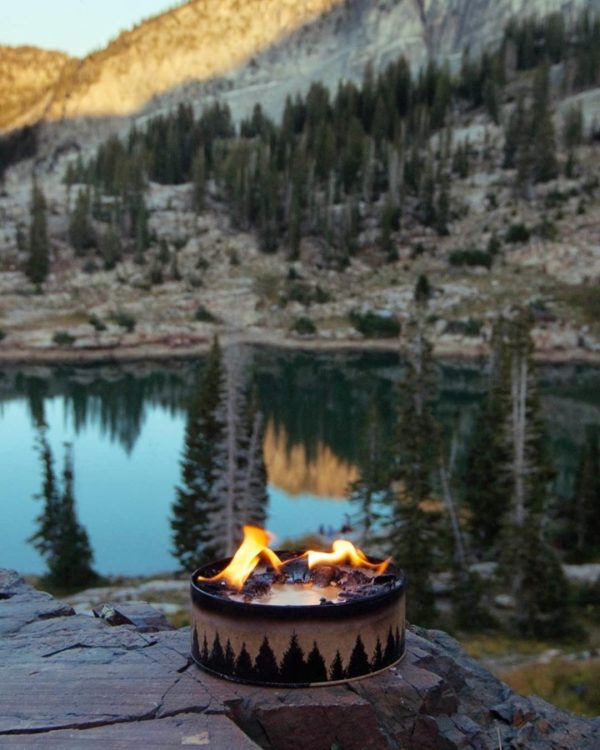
{"points": [[470, 327], [517, 233], [375, 325], [63, 338], [202, 315], [470, 257], [587, 299], [304, 326], [125, 320], [97, 323]]}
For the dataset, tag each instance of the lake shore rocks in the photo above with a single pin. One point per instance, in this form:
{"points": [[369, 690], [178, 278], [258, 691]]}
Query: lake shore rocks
{"points": [[75, 681]]}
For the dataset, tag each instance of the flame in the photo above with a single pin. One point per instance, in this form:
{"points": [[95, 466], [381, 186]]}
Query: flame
{"points": [[344, 553], [254, 545]]}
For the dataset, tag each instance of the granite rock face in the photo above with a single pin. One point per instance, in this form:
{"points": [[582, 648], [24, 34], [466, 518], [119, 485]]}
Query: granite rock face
{"points": [[74, 681]]}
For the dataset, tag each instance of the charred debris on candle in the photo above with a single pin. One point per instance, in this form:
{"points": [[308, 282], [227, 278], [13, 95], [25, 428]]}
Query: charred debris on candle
{"points": [[352, 583]]}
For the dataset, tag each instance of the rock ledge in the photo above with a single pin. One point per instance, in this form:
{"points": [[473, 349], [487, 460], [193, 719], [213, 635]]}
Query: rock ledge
{"points": [[72, 681]]}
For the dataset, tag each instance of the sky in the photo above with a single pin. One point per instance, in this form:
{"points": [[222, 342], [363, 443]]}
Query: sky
{"points": [[73, 26]]}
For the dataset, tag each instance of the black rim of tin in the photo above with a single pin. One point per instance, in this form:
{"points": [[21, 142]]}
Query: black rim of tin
{"points": [[342, 610]]}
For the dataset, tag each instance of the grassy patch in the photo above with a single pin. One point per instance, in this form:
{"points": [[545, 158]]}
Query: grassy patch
{"points": [[586, 299], [573, 685]]}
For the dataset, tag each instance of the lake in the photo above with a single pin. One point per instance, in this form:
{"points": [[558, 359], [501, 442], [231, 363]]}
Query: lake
{"points": [[126, 423]]}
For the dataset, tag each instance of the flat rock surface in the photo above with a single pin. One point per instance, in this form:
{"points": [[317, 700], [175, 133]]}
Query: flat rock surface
{"points": [[74, 681]]}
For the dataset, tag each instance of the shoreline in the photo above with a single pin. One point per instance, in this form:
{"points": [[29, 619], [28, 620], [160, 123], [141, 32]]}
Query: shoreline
{"points": [[160, 352]]}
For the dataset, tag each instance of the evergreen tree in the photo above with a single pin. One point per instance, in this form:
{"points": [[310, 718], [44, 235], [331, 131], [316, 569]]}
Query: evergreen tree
{"points": [[336, 670], [485, 481], [390, 655], [416, 458], [38, 261], [316, 671], [584, 516], [193, 543], [265, 665], [229, 658], [359, 661], [239, 490], [369, 489], [243, 665], [216, 658], [293, 666], [81, 232], [110, 248], [60, 538], [377, 661], [199, 181], [544, 143], [539, 587], [204, 655]]}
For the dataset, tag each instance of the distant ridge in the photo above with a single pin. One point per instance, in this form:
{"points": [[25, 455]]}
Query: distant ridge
{"points": [[246, 51]]}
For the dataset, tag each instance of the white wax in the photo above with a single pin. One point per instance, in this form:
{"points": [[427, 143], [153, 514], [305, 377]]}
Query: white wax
{"points": [[299, 594]]}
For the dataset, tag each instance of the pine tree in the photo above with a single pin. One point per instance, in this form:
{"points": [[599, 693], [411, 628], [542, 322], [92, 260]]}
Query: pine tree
{"points": [[81, 232], [316, 671], [265, 665], [195, 502], [585, 506], [485, 481], [38, 261], [416, 458], [539, 587], [239, 491], [359, 661], [110, 248], [204, 655], [336, 670], [377, 662], [545, 165], [60, 538], [369, 489], [390, 655], [293, 666], [216, 658], [229, 658], [199, 181], [243, 665]]}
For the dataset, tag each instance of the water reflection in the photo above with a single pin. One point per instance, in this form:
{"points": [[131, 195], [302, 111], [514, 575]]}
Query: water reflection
{"points": [[127, 427], [295, 471]]}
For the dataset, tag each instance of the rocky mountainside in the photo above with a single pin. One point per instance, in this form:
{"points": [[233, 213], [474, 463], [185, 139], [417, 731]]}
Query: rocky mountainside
{"points": [[257, 50], [27, 76]]}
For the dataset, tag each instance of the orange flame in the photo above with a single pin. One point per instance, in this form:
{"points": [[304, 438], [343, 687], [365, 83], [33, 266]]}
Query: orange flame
{"points": [[344, 553], [254, 545]]}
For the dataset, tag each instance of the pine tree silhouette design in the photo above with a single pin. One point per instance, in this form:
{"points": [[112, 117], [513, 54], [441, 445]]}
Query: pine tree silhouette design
{"points": [[216, 659], [377, 660], [243, 665], [359, 661], [265, 666], [229, 658], [389, 655], [204, 655], [316, 671], [195, 645], [293, 666], [336, 670]]}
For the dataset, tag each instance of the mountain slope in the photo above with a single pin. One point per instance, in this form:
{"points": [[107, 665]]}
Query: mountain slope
{"points": [[27, 75], [260, 50]]}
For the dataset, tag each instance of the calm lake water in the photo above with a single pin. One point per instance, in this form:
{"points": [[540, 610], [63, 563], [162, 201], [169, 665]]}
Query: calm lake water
{"points": [[127, 427]]}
